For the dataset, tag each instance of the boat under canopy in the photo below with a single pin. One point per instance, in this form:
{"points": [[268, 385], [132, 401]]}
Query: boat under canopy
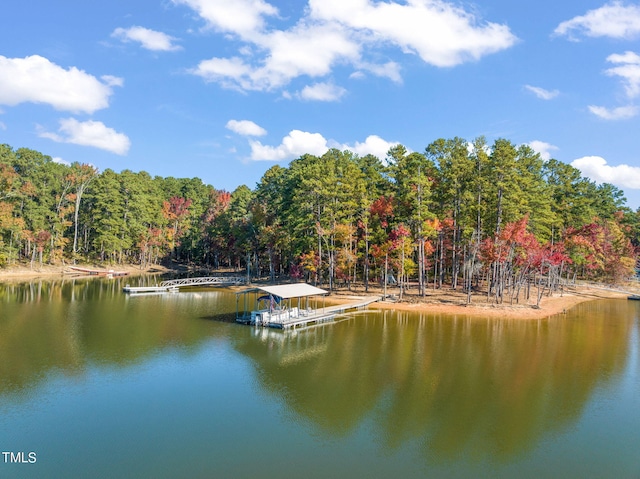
{"points": [[284, 305]]}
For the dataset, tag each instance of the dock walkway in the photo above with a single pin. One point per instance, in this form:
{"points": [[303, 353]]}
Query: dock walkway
{"points": [[209, 280], [173, 285]]}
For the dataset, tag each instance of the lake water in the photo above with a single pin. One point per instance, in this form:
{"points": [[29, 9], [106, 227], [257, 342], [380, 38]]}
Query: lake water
{"points": [[96, 384]]}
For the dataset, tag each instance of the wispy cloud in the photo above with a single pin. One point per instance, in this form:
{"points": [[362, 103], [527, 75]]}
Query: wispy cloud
{"points": [[542, 93], [322, 92], [628, 70], [149, 39], [245, 128], [619, 113], [614, 20]]}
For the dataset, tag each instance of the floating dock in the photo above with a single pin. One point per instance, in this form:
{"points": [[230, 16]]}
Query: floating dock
{"points": [[149, 289]]}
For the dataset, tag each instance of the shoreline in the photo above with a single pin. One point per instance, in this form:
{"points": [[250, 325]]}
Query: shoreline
{"points": [[436, 302], [24, 273], [451, 304], [549, 306]]}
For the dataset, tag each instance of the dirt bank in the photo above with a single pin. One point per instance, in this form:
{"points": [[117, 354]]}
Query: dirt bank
{"points": [[25, 273], [450, 302]]}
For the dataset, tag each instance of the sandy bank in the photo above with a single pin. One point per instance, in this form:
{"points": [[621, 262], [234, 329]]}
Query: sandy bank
{"points": [[25, 273], [454, 304]]}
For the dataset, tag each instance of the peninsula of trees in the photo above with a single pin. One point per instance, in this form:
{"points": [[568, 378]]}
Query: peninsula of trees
{"points": [[461, 213]]}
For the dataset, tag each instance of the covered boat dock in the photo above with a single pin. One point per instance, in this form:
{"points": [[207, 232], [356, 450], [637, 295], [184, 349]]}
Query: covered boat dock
{"points": [[282, 306], [290, 305]]}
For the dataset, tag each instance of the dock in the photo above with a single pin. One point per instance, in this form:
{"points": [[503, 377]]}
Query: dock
{"points": [[321, 315], [284, 307], [149, 289], [206, 281], [110, 273], [174, 285]]}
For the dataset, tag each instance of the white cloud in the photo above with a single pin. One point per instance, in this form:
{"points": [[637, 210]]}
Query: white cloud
{"points": [[242, 17], [334, 32], [149, 39], [112, 80], [373, 145], [295, 144], [390, 70], [614, 20], [3, 126], [230, 72], [90, 133], [309, 51], [245, 128], [35, 79], [441, 33], [628, 70], [57, 159], [596, 168], [619, 113], [543, 148], [322, 92], [542, 93]]}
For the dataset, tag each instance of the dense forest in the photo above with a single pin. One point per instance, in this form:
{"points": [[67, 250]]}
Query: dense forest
{"points": [[468, 215]]}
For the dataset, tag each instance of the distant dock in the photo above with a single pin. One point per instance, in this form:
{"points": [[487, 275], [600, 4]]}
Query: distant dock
{"points": [[149, 289], [110, 273], [174, 285]]}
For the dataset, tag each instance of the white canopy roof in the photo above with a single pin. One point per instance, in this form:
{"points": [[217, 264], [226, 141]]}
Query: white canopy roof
{"points": [[296, 290]]}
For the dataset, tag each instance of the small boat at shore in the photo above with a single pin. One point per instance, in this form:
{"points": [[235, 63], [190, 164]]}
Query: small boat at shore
{"points": [[634, 297]]}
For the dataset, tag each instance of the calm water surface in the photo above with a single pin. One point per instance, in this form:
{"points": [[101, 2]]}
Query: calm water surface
{"points": [[100, 384]]}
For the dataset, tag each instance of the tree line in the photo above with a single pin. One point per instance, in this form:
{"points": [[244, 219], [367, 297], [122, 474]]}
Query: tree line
{"points": [[466, 214]]}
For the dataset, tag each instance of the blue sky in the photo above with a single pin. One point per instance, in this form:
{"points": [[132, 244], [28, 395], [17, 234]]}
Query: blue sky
{"points": [[224, 89]]}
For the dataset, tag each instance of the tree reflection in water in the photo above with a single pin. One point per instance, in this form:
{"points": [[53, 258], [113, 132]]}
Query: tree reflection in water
{"points": [[451, 386], [455, 385]]}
